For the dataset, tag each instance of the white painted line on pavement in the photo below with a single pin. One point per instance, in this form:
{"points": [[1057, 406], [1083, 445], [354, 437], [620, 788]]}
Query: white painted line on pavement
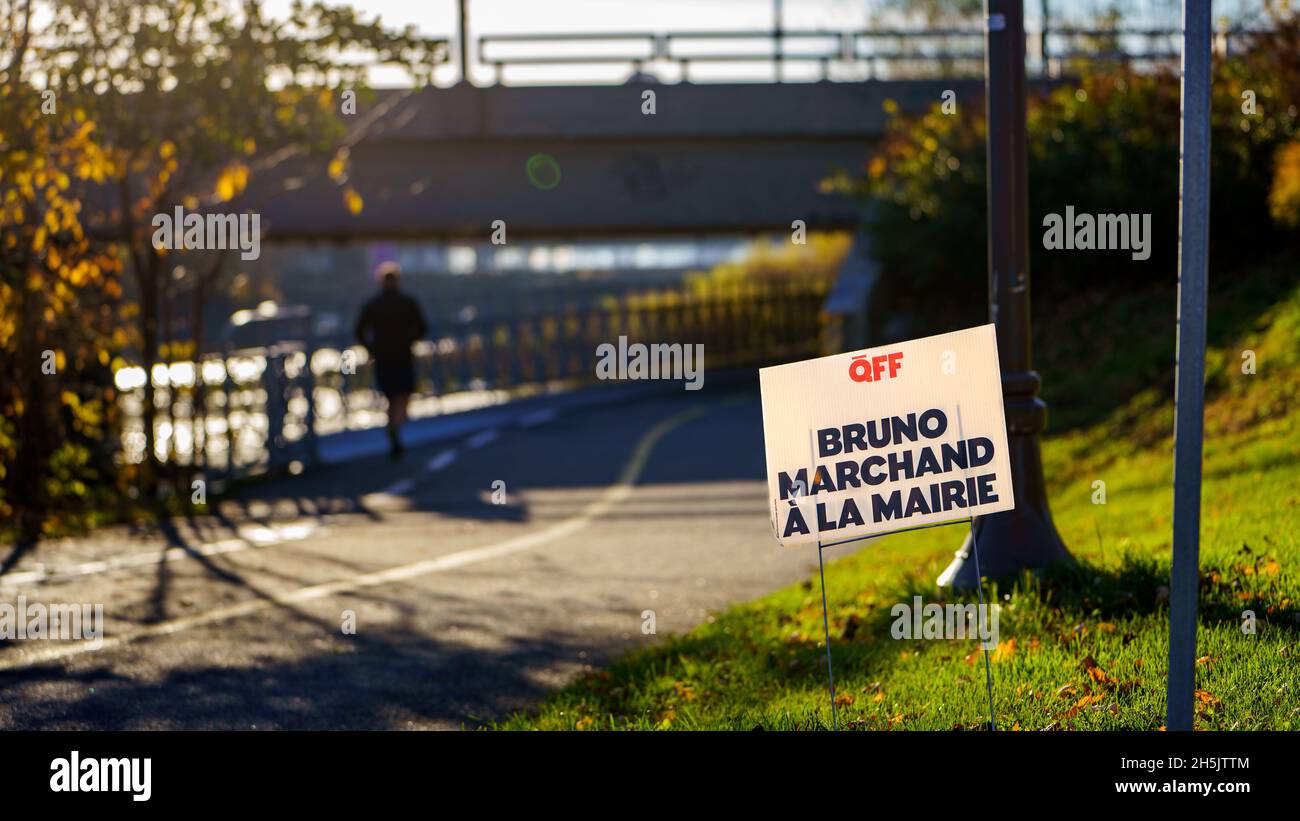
{"points": [[611, 496], [482, 438], [541, 417], [397, 488], [404, 486], [441, 461]]}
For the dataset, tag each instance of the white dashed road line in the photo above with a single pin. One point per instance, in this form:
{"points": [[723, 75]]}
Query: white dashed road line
{"points": [[441, 461], [482, 438], [541, 417]]}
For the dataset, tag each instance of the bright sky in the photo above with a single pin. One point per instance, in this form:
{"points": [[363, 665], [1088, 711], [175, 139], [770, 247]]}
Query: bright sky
{"points": [[438, 18]]}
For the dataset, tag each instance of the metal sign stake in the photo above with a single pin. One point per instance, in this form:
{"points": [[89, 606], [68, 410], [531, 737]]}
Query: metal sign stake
{"points": [[826, 625], [1189, 388]]}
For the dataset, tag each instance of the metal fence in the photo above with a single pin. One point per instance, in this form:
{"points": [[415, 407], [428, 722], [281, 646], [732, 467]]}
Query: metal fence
{"points": [[255, 410], [875, 53]]}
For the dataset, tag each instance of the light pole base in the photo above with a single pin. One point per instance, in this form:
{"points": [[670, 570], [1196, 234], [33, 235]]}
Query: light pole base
{"points": [[1008, 543], [1023, 538]]}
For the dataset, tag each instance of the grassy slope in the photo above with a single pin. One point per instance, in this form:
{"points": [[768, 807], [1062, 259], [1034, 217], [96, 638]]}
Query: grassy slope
{"points": [[1084, 649]]}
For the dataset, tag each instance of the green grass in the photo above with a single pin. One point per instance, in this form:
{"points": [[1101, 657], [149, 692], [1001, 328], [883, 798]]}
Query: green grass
{"points": [[1083, 648]]}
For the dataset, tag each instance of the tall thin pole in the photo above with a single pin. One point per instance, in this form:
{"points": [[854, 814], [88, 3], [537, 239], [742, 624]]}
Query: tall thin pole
{"points": [[776, 20], [1189, 389], [464, 41], [1024, 537]]}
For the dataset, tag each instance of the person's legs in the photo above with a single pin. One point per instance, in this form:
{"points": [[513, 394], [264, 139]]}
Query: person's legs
{"points": [[396, 419], [397, 380], [397, 409]]}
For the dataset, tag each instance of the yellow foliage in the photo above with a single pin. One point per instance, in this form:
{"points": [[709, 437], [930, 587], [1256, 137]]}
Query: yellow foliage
{"points": [[353, 200], [1284, 197], [339, 164], [232, 181]]}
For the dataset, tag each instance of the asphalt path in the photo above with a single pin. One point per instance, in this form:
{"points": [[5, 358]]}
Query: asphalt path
{"points": [[478, 574]]}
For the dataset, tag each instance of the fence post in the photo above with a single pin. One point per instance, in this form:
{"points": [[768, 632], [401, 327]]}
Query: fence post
{"points": [[228, 388], [273, 386], [309, 390]]}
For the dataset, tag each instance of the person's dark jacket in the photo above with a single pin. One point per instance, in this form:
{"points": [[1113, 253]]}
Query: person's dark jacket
{"points": [[389, 324]]}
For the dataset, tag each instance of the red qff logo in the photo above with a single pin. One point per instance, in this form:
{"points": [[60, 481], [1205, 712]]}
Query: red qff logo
{"points": [[872, 369]]}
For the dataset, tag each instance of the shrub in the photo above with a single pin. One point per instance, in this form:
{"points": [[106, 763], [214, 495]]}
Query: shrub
{"points": [[1105, 143]]}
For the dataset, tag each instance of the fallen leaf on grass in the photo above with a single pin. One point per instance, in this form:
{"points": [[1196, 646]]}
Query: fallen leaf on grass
{"points": [[1005, 651], [1080, 705], [1096, 672]]}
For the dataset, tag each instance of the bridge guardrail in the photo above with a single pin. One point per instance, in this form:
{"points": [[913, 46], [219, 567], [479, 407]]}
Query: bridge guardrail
{"points": [[894, 50]]}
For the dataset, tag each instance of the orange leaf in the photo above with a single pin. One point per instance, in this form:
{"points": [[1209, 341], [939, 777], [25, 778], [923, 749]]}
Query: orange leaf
{"points": [[1005, 651]]}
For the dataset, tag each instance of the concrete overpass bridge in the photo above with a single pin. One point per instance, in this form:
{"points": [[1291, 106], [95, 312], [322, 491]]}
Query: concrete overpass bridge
{"points": [[446, 163]]}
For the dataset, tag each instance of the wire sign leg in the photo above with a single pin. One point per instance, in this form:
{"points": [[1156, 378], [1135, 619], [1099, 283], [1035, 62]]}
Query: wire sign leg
{"points": [[826, 625]]}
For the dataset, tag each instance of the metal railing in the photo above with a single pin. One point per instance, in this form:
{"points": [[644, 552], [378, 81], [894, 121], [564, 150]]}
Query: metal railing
{"points": [[880, 53], [265, 409]]}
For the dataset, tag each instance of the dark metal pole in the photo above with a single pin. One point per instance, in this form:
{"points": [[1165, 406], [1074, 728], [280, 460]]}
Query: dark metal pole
{"points": [[1024, 537], [1189, 388], [776, 16], [1042, 38], [464, 41]]}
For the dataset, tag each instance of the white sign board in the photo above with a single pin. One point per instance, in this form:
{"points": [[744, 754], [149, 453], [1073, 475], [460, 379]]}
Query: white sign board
{"points": [[886, 439]]}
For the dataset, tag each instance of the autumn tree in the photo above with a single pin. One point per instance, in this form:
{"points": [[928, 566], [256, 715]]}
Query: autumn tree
{"points": [[59, 293], [192, 97]]}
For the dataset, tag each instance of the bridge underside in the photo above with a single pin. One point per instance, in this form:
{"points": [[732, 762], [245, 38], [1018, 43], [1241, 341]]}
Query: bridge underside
{"points": [[447, 163], [414, 191]]}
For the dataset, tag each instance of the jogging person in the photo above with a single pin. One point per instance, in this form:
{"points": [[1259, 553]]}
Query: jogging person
{"points": [[389, 324]]}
